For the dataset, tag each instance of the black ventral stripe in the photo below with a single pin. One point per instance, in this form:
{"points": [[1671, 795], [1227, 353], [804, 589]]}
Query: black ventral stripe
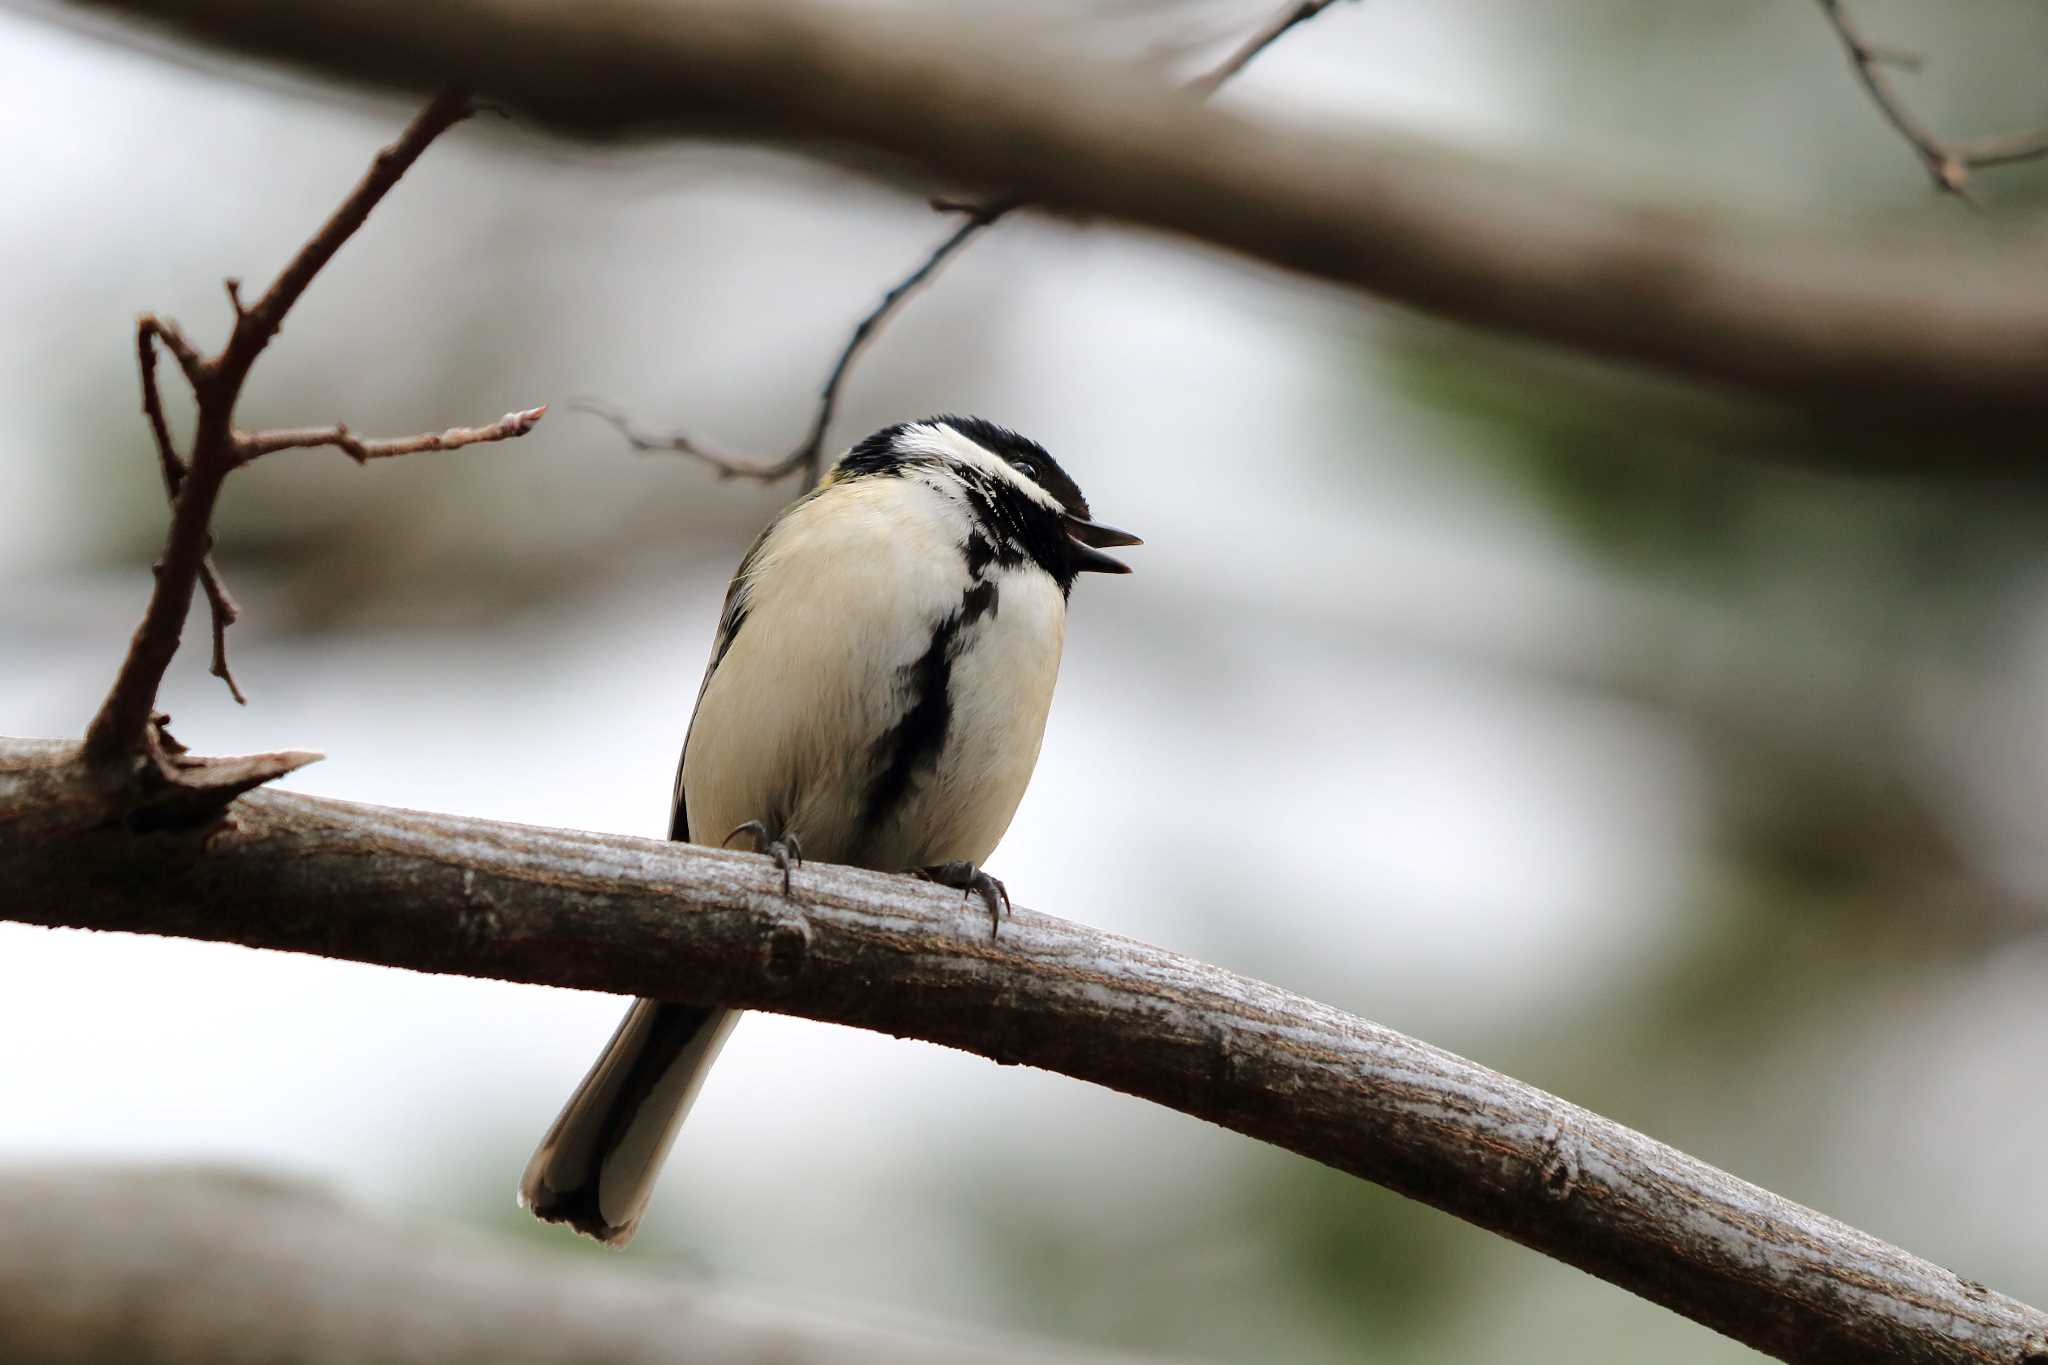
{"points": [[912, 745]]}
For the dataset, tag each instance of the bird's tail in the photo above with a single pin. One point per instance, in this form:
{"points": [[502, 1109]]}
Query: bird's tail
{"points": [[596, 1167]]}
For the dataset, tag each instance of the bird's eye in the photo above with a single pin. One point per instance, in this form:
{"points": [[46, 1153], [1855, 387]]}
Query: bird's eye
{"points": [[1025, 467]]}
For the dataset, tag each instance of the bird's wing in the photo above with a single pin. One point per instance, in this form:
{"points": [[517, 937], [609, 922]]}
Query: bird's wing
{"points": [[729, 622]]}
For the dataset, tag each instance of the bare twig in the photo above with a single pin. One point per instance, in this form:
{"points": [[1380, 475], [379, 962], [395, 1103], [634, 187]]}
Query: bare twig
{"points": [[808, 454], [1948, 165], [1247, 52], [148, 331], [122, 729], [223, 611], [251, 445], [257, 324], [2002, 149], [443, 893], [220, 603]]}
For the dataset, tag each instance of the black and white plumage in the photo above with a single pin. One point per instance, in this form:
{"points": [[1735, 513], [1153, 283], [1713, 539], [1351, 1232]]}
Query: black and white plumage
{"points": [[877, 692]]}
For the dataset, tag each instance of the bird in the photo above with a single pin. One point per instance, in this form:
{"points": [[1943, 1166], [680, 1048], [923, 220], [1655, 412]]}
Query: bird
{"points": [[877, 695]]}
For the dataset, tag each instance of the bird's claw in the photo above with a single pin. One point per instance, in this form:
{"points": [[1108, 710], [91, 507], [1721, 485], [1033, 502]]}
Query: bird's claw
{"points": [[788, 851], [969, 880]]}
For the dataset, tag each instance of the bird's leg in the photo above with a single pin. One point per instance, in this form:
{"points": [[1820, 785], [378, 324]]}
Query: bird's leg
{"points": [[788, 851], [970, 879]]}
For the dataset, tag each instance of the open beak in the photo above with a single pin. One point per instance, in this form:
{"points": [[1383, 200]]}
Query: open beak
{"points": [[1085, 540]]}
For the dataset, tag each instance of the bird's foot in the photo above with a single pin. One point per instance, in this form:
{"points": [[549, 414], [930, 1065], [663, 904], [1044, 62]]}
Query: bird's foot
{"points": [[970, 879], [788, 851]]}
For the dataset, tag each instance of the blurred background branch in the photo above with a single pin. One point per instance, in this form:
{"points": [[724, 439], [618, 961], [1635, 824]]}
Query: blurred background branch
{"points": [[169, 1265], [638, 917], [1873, 329]]}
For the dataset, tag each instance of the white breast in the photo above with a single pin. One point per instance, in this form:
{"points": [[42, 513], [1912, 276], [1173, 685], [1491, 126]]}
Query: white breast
{"points": [[1002, 684], [843, 598]]}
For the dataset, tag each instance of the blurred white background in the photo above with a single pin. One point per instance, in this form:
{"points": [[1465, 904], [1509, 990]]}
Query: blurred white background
{"points": [[1478, 693]]}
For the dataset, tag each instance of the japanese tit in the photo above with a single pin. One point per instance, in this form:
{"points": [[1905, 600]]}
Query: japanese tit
{"points": [[877, 693]]}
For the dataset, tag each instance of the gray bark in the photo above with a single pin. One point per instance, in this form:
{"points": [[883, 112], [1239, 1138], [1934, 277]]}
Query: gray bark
{"points": [[442, 893]]}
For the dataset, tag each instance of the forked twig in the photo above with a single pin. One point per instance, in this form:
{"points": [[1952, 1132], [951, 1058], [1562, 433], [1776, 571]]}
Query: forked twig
{"points": [[1948, 165], [808, 454], [221, 607], [125, 725]]}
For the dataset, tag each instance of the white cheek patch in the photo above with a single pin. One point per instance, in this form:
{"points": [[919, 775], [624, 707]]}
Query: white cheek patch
{"points": [[945, 443]]}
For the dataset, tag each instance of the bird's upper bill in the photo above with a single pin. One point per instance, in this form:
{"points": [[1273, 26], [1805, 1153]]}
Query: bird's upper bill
{"points": [[1085, 542]]}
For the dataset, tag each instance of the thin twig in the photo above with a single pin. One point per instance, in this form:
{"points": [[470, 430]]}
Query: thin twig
{"points": [[1948, 165], [148, 331], [255, 326], [220, 604], [122, 727], [223, 613], [2003, 149], [808, 454], [252, 445], [1248, 51]]}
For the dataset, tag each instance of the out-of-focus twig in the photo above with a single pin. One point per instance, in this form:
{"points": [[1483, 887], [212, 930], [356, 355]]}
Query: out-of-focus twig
{"points": [[808, 454], [125, 735], [1948, 165]]}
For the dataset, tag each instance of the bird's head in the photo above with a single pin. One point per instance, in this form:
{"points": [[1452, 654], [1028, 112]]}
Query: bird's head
{"points": [[1018, 501]]}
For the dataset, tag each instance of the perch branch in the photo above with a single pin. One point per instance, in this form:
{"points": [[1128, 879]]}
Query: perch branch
{"points": [[1948, 165], [177, 1265], [808, 454], [443, 893]]}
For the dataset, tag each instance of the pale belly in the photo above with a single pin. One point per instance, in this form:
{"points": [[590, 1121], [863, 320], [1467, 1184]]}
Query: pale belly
{"points": [[836, 717]]}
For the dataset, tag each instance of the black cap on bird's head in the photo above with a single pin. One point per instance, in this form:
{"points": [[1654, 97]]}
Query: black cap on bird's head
{"points": [[1027, 462]]}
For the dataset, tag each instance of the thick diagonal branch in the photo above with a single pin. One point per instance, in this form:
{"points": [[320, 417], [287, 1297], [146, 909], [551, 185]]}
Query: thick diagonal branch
{"points": [[442, 893]]}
